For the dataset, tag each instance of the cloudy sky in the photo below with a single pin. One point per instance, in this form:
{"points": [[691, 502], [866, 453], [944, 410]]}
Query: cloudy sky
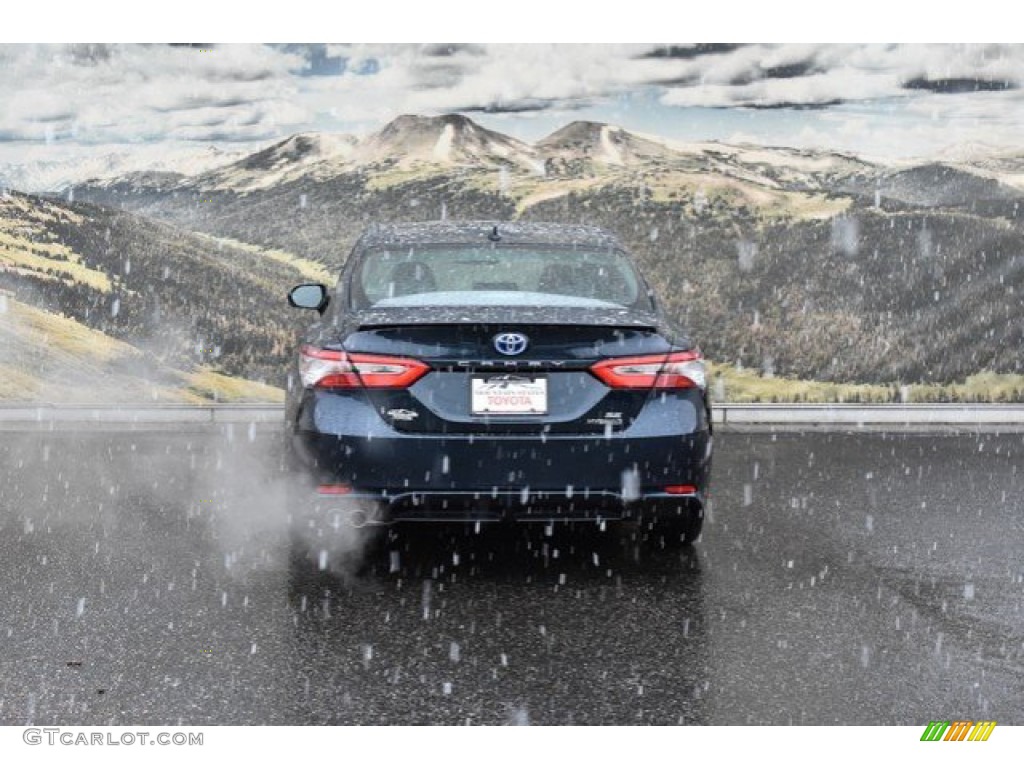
{"points": [[878, 100]]}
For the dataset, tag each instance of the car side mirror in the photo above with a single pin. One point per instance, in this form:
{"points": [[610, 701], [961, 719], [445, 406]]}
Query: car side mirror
{"points": [[309, 296]]}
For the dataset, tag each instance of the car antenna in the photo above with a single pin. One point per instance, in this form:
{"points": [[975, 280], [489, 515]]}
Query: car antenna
{"points": [[493, 235]]}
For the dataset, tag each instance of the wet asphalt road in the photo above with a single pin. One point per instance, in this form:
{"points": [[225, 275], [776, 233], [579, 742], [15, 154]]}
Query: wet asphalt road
{"points": [[842, 579]]}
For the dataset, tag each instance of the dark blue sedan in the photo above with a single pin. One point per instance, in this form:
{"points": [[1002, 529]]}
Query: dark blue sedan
{"points": [[481, 372]]}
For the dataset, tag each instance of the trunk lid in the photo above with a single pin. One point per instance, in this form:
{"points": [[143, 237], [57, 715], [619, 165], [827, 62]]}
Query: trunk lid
{"points": [[459, 345]]}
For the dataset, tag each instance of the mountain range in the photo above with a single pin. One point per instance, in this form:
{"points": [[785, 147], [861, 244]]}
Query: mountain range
{"points": [[799, 263]]}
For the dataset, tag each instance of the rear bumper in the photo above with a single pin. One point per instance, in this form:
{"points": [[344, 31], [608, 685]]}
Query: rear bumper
{"points": [[398, 476], [361, 508]]}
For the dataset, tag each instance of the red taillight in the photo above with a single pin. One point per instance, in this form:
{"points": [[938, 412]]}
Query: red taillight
{"points": [[680, 490], [333, 369], [678, 370], [334, 489]]}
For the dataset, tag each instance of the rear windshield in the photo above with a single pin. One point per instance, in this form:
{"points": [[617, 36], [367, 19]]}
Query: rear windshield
{"points": [[495, 276]]}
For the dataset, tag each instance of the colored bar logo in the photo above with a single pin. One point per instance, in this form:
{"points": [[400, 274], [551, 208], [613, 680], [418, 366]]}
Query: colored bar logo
{"points": [[958, 730]]}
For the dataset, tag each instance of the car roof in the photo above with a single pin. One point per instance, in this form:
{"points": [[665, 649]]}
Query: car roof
{"points": [[469, 232]]}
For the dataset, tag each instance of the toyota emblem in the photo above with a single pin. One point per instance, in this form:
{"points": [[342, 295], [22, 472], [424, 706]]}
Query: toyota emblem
{"points": [[510, 343]]}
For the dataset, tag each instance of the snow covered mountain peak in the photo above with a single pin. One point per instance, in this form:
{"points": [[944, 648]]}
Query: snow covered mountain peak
{"points": [[444, 140]]}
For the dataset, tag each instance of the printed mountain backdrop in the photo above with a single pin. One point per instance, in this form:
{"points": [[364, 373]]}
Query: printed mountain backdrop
{"points": [[862, 280]]}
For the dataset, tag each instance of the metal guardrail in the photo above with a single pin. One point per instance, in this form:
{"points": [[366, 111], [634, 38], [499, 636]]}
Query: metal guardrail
{"points": [[140, 414], [823, 414], [859, 414]]}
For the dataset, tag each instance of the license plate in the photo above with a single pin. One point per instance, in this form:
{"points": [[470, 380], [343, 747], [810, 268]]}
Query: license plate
{"points": [[509, 394]]}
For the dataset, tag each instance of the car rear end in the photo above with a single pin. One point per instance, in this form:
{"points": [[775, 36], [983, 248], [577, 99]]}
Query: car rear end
{"points": [[497, 405]]}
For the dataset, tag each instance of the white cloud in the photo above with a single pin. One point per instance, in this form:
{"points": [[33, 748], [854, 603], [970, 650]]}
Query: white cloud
{"points": [[152, 93], [411, 80], [133, 92], [842, 73]]}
